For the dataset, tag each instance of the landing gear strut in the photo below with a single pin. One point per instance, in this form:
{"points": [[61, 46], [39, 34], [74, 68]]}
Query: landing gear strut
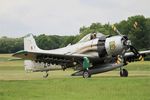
{"points": [[86, 65], [86, 74], [123, 73], [46, 75]]}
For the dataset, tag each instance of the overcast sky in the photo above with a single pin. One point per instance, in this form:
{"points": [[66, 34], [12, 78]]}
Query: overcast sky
{"points": [[64, 17]]}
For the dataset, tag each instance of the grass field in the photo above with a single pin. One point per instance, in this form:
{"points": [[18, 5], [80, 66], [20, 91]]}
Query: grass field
{"points": [[16, 84]]}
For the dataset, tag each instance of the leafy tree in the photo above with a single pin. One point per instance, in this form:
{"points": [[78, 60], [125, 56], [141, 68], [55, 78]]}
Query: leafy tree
{"points": [[137, 28]]}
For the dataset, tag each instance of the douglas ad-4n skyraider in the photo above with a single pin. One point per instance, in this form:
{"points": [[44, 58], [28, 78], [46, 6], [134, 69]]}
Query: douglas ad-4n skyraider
{"points": [[93, 54]]}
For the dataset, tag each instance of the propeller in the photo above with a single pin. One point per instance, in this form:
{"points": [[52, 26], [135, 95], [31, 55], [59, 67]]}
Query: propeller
{"points": [[128, 45]]}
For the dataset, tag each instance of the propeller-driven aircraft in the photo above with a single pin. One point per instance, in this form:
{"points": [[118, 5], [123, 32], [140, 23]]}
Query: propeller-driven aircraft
{"points": [[95, 53]]}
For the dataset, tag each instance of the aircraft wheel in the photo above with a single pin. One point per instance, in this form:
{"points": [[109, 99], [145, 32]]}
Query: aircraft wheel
{"points": [[86, 74], [45, 76], [123, 73]]}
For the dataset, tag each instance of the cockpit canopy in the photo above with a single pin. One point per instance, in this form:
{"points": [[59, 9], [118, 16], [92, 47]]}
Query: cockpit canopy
{"points": [[88, 37]]}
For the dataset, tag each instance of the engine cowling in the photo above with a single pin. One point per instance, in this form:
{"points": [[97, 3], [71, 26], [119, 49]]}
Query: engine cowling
{"points": [[115, 45]]}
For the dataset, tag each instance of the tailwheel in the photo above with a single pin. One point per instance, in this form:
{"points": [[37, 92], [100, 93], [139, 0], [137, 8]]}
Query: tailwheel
{"points": [[46, 75], [86, 74], [123, 73]]}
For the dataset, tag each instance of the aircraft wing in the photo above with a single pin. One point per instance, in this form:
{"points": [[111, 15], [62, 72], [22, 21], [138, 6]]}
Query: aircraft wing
{"points": [[30, 55], [143, 53]]}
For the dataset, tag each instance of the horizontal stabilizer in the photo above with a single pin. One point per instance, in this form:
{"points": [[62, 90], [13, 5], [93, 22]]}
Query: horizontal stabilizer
{"points": [[15, 59]]}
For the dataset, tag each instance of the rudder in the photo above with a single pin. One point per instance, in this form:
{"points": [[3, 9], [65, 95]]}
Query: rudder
{"points": [[29, 43]]}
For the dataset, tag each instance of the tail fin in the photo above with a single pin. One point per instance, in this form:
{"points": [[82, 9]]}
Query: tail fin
{"points": [[29, 43]]}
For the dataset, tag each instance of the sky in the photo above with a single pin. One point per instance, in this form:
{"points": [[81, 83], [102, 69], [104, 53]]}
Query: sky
{"points": [[64, 17]]}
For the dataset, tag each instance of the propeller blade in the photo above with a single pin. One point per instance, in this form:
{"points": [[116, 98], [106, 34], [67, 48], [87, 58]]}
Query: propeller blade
{"points": [[141, 58], [134, 50], [119, 59], [116, 30]]}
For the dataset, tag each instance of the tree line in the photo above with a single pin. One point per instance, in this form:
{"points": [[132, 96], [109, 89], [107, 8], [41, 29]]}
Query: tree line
{"points": [[137, 28]]}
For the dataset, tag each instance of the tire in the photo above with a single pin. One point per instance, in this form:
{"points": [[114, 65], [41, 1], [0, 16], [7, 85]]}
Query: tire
{"points": [[86, 74], [45, 76], [123, 73]]}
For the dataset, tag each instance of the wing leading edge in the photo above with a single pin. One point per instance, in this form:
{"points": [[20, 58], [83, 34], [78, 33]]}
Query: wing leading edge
{"points": [[32, 55]]}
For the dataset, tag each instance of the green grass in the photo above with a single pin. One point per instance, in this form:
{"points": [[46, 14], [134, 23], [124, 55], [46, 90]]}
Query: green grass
{"points": [[139, 66], [4, 57], [16, 84], [104, 88]]}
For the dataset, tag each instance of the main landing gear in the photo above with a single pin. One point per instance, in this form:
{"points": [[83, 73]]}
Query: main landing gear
{"points": [[123, 73], [86, 74], [86, 65], [46, 75]]}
